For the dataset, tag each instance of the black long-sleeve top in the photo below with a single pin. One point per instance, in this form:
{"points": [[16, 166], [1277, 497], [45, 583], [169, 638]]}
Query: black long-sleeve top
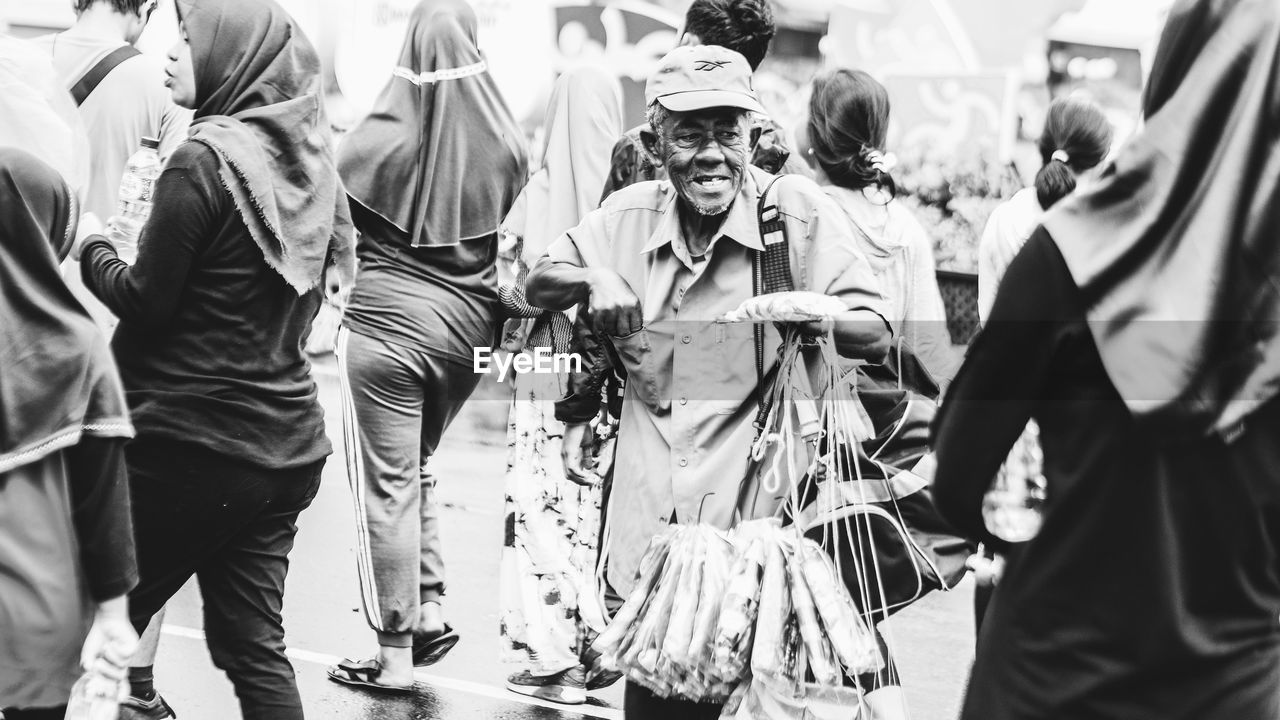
{"points": [[1153, 587], [210, 341], [100, 514]]}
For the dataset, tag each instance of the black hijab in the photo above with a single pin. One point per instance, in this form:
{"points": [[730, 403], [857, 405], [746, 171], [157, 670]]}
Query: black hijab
{"points": [[440, 156], [1177, 249], [57, 377], [260, 108]]}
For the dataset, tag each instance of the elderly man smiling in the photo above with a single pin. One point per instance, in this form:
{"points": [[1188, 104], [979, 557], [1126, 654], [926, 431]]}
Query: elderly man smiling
{"points": [[655, 265]]}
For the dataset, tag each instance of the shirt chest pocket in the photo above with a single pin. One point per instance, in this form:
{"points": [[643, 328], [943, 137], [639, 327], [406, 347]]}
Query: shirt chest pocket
{"points": [[648, 374]]}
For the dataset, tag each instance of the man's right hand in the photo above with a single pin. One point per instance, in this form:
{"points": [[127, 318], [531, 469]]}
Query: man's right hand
{"points": [[572, 452], [614, 308]]}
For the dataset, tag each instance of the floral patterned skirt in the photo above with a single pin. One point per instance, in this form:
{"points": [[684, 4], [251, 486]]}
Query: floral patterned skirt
{"points": [[550, 608]]}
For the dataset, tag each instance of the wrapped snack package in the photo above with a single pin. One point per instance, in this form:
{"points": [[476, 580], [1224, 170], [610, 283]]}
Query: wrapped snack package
{"points": [[675, 646], [850, 638], [715, 576], [772, 613], [792, 306], [609, 643], [818, 648], [794, 662], [738, 612], [644, 650]]}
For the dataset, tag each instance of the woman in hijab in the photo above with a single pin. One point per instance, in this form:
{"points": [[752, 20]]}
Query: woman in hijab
{"points": [[550, 605], [1139, 327], [248, 214], [431, 173], [66, 543]]}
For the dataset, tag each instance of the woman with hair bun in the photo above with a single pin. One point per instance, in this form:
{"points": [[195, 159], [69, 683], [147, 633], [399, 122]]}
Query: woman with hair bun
{"points": [[848, 122], [1076, 139]]}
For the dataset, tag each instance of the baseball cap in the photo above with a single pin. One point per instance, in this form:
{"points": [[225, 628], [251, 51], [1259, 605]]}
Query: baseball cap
{"points": [[702, 76]]}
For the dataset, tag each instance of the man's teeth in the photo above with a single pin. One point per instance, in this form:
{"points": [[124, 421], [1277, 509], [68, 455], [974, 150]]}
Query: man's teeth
{"points": [[705, 182]]}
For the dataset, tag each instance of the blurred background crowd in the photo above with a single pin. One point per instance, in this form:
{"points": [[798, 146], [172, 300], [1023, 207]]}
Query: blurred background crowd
{"points": [[971, 80]]}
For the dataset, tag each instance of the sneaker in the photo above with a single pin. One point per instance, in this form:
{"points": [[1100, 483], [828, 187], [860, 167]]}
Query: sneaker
{"points": [[156, 708], [568, 687], [603, 679]]}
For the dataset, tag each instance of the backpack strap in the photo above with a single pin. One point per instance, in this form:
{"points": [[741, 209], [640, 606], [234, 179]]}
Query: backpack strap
{"points": [[98, 72], [771, 272]]}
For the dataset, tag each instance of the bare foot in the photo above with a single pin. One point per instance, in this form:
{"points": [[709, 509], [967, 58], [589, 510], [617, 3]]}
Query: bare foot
{"points": [[430, 619], [397, 666]]}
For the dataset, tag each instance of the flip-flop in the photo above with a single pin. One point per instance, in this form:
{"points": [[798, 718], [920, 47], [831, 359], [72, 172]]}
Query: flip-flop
{"points": [[364, 674], [430, 651]]}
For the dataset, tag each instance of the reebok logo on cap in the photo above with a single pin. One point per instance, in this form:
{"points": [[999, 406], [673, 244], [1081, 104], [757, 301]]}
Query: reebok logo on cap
{"points": [[702, 77]]}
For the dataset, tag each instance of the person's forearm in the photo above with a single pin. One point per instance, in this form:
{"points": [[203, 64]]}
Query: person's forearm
{"points": [[557, 285], [862, 335], [101, 515], [123, 290]]}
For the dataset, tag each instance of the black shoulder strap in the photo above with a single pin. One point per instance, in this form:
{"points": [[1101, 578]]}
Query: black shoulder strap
{"points": [[90, 81], [771, 272]]}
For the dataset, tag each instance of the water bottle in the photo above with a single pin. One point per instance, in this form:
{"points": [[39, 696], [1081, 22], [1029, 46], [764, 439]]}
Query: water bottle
{"points": [[1013, 508], [94, 697], [134, 204]]}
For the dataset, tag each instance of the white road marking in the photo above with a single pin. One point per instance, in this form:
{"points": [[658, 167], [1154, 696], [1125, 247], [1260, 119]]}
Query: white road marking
{"points": [[426, 678]]}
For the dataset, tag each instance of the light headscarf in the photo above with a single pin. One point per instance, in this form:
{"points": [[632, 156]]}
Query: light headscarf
{"points": [[440, 156], [260, 108], [583, 120], [58, 381], [1177, 248]]}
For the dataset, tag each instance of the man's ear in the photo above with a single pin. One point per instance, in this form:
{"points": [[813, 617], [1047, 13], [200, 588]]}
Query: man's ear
{"points": [[755, 136], [649, 139]]}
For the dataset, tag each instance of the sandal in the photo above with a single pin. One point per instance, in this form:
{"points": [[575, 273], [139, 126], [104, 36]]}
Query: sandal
{"points": [[364, 674], [429, 651]]}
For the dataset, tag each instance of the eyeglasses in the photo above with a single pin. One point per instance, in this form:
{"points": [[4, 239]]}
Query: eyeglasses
{"points": [[692, 139]]}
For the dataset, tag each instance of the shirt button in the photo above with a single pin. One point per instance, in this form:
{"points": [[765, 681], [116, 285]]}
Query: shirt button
{"points": [[684, 462], [686, 339], [684, 401]]}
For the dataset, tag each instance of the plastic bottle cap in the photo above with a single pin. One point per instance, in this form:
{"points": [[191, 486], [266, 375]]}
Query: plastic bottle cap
{"points": [[152, 143]]}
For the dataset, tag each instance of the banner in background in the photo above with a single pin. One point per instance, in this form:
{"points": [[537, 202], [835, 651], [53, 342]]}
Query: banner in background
{"points": [[886, 37], [944, 112]]}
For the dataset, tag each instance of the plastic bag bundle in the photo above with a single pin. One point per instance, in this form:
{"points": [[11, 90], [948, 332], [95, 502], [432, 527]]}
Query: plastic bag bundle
{"points": [[791, 306], [808, 632], [711, 610], [662, 638]]}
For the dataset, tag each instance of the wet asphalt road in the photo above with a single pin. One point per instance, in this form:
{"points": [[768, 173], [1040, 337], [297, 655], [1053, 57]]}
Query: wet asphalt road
{"points": [[933, 640]]}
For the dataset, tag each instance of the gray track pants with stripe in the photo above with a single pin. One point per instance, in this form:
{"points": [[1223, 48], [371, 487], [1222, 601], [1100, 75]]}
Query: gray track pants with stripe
{"points": [[396, 404]]}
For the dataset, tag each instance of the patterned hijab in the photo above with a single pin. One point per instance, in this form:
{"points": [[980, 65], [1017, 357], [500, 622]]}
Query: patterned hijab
{"points": [[1177, 249], [260, 108], [584, 118], [58, 381], [440, 156]]}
